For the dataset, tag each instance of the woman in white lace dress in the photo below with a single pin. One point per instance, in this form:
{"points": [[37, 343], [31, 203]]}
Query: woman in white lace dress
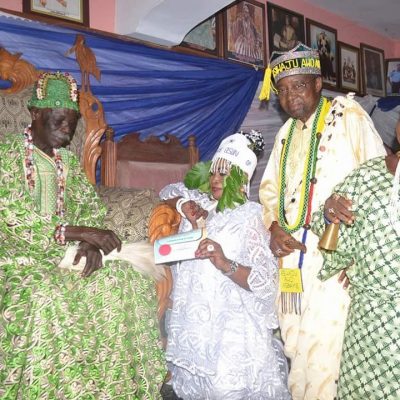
{"points": [[220, 333]]}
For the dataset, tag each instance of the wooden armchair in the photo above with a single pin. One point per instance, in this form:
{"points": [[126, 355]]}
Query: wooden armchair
{"points": [[150, 163]]}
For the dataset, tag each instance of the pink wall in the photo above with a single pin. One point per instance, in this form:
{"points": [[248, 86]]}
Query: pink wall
{"points": [[102, 17], [347, 31], [101, 13]]}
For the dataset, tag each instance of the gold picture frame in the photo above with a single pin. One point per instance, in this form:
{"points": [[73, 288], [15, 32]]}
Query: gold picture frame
{"points": [[75, 11]]}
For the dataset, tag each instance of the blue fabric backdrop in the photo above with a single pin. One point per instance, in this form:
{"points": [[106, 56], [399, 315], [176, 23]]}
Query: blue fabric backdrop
{"points": [[145, 89]]}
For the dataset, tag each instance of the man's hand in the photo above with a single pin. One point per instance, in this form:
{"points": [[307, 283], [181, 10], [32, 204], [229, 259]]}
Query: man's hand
{"points": [[282, 243], [93, 258], [338, 209], [343, 279], [103, 239]]}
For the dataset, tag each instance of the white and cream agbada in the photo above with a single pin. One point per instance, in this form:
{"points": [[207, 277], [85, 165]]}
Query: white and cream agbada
{"points": [[313, 339], [310, 156]]}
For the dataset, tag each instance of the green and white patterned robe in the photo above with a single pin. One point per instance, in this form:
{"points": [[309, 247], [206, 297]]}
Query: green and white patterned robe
{"points": [[63, 336], [370, 364]]}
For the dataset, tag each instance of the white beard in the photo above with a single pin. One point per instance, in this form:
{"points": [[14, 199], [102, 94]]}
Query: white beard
{"points": [[140, 255]]}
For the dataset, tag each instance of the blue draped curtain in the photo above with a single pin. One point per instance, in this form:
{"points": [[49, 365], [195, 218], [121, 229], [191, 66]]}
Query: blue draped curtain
{"points": [[145, 89]]}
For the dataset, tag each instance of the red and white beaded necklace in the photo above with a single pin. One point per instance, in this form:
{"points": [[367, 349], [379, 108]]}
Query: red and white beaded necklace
{"points": [[30, 169]]}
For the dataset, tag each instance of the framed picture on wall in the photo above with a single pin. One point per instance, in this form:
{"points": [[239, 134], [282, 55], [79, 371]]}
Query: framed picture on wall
{"points": [[393, 77], [244, 33], [76, 11], [205, 36], [349, 68], [373, 70], [285, 28], [324, 39]]}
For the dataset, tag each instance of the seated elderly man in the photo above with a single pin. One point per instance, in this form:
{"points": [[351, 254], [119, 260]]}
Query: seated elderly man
{"points": [[65, 334]]}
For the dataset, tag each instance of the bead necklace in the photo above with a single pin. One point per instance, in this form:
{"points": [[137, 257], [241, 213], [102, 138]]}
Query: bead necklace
{"points": [[308, 180], [30, 170]]}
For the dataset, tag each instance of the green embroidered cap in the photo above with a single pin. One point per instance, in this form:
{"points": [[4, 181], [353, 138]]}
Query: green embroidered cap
{"points": [[55, 90]]}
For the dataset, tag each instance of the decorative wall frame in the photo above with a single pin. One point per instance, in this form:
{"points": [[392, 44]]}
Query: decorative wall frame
{"points": [[349, 71], [285, 28], [205, 37], [393, 77], [76, 11], [244, 33], [324, 39], [373, 70]]}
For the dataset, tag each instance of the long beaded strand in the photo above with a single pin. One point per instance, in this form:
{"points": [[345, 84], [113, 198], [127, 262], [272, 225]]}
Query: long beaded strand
{"points": [[309, 168], [29, 170]]}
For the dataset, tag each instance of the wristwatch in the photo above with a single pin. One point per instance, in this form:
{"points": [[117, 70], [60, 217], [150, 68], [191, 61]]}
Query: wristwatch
{"points": [[233, 268]]}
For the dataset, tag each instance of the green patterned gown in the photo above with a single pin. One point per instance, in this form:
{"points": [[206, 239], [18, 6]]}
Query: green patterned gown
{"points": [[370, 365], [63, 336]]}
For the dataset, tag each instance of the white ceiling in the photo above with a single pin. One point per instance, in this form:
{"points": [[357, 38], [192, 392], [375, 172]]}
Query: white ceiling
{"points": [[381, 16], [166, 22]]}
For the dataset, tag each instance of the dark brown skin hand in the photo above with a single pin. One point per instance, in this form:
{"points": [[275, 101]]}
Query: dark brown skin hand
{"points": [[282, 243], [103, 239], [343, 279], [210, 249], [94, 258], [338, 209], [193, 212]]}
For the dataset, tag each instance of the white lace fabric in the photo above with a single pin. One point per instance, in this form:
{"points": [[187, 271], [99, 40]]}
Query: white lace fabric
{"points": [[220, 341]]}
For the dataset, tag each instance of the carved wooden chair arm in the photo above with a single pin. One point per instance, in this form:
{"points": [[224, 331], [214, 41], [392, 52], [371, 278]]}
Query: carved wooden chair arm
{"points": [[164, 221]]}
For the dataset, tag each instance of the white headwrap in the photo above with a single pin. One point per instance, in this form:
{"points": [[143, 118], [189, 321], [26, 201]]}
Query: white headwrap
{"points": [[235, 149]]}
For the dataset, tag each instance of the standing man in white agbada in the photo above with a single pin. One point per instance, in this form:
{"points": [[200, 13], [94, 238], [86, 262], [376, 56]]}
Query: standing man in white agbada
{"points": [[316, 148]]}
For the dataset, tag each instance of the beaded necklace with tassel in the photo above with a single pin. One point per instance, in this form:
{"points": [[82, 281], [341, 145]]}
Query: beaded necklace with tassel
{"points": [[292, 301], [308, 180]]}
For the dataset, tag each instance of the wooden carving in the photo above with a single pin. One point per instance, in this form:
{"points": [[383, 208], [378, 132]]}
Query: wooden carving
{"points": [[86, 61], [19, 72], [90, 107]]}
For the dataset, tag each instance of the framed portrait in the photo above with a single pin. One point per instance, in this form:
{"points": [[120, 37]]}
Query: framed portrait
{"points": [[244, 33], [285, 28], [393, 77], [324, 39], [205, 36], [349, 68], [76, 11], [373, 70]]}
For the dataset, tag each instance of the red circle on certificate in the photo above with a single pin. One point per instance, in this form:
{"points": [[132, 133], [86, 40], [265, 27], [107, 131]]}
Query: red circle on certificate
{"points": [[164, 249]]}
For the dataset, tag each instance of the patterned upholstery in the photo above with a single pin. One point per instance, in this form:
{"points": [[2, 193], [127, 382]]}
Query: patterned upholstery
{"points": [[128, 211], [15, 117]]}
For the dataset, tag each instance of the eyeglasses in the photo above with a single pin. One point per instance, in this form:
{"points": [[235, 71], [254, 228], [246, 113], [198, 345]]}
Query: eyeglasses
{"points": [[298, 88]]}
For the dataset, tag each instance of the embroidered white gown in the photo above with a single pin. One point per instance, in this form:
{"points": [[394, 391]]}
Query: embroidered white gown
{"points": [[220, 336]]}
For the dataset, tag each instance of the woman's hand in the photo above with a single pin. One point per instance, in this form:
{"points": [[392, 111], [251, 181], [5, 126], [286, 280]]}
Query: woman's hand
{"points": [[103, 239], [94, 259], [193, 212], [282, 243], [213, 251], [338, 209]]}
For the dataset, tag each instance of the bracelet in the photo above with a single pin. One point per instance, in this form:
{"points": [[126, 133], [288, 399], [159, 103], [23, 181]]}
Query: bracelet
{"points": [[181, 201], [233, 268], [59, 234]]}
